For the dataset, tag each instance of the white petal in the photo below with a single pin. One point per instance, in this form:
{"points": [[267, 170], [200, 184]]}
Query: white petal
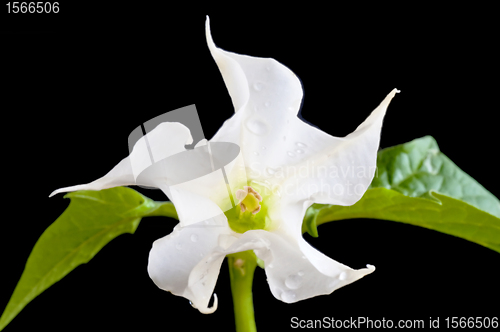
{"points": [[165, 140], [120, 175], [255, 83], [265, 95], [277, 144], [187, 261], [295, 270], [337, 170]]}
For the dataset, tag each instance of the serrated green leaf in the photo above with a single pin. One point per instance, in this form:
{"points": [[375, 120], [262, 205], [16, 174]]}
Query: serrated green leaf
{"points": [[417, 168], [92, 219], [419, 185], [448, 215]]}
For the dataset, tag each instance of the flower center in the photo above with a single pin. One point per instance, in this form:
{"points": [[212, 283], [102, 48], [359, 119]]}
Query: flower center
{"points": [[250, 212], [249, 199]]}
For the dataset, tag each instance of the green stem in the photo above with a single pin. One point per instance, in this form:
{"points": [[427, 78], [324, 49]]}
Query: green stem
{"points": [[241, 269]]}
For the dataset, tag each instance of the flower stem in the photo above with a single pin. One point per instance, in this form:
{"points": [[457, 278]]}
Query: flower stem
{"points": [[241, 269]]}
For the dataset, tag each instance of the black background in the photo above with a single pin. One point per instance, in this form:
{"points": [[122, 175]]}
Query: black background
{"points": [[74, 85]]}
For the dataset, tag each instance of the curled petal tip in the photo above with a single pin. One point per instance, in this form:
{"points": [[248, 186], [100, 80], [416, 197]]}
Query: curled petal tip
{"points": [[207, 23], [55, 192], [393, 92], [370, 267], [212, 309]]}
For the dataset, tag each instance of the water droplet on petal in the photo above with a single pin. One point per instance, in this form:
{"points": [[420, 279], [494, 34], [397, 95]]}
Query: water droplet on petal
{"points": [[257, 86], [293, 281], [278, 292], [300, 273], [270, 265], [256, 153], [299, 151], [194, 237], [302, 145], [291, 154], [288, 296], [270, 171], [267, 104], [257, 127], [342, 276]]}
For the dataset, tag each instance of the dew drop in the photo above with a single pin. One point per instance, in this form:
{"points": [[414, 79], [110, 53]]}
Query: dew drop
{"points": [[270, 171], [288, 296], [257, 86], [257, 127], [291, 154], [299, 151], [270, 265], [267, 104], [256, 153], [293, 281], [343, 276], [302, 145], [278, 292], [194, 237], [263, 148], [300, 273]]}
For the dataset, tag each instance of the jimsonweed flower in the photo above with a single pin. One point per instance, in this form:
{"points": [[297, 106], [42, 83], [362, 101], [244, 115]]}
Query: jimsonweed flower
{"points": [[249, 186]]}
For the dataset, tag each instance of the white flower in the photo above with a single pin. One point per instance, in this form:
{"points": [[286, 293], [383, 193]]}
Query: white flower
{"points": [[288, 165]]}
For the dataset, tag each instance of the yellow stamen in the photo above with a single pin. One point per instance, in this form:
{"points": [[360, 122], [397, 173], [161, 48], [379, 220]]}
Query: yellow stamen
{"points": [[249, 199]]}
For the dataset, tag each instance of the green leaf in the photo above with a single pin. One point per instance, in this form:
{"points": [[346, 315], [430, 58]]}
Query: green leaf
{"points": [[417, 168], [419, 185], [92, 219]]}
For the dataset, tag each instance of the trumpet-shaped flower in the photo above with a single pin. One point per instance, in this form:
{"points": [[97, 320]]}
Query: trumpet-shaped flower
{"points": [[273, 165]]}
